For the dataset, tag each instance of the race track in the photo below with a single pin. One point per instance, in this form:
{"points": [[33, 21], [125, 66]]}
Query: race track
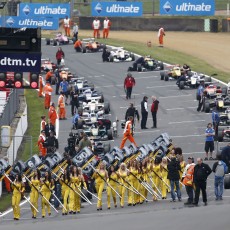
{"points": [[177, 116]]}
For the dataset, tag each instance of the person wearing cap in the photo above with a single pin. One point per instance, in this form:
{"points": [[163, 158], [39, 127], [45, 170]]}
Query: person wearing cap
{"points": [[43, 123], [107, 25], [61, 105], [187, 180], [144, 112], [129, 82], [154, 109], [52, 114], [200, 96], [48, 92], [41, 143]]}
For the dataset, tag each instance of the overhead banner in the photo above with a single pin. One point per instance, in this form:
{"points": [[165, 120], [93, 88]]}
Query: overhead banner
{"points": [[20, 62], [45, 23], [44, 10], [187, 7], [117, 9]]}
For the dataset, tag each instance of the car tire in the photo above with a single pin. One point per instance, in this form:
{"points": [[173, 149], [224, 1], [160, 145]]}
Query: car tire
{"points": [[80, 124], [161, 66], [224, 91], [181, 84], [220, 136], [110, 134], [80, 110], [133, 57], [111, 58], [55, 43], [162, 74], [206, 107], [139, 69], [47, 41], [227, 181], [102, 100], [166, 77], [83, 50], [106, 107]]}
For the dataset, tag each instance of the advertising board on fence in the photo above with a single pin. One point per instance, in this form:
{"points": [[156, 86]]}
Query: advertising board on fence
{"points": [[20, 62], [44, 10], [117, 9], [45, 23], [187, 7]]}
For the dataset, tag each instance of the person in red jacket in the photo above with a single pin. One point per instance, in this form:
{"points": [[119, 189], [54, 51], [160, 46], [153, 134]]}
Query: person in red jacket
{"points": [[59, 55], [128, 85], [154, 109]]}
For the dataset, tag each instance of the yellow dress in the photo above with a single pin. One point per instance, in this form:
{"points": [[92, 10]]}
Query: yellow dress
{"points": [[74, 198], [65, 190], [113, 184], [123, 177], [17, 188], [34, 195]]}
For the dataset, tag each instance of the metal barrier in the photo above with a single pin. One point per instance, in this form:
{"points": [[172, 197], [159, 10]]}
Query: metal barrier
{"points": [[10, 108]]}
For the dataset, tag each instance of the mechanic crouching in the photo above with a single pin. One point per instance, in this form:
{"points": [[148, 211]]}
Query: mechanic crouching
{"points": [[105, 55], [139, 61], [78, 45]]}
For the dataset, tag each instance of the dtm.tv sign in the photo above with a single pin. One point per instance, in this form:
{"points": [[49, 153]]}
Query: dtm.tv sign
{"points": [[117, 9], [187, 7]]}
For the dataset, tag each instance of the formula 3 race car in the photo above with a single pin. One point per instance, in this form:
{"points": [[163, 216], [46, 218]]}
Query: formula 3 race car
{"points": [[120, 55], [89, 45], [60, 39]]}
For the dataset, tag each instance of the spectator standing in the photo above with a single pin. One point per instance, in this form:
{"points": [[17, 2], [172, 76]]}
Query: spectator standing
{"points": [[174, 177], [201, 173], [59, 55], [75, 31], [129, 83], [144, 112], [74, 100], [220, 169], [209, 141], [154, 109], [215, 121], [200, 92]]}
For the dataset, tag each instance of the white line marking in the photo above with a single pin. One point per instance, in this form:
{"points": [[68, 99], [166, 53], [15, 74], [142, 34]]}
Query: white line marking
{"points": [[148, 131], [188, 95], [175, 109], [133, 94], [159, 86], [185, 136], [137, 78], [181, 122], [108, 86]]}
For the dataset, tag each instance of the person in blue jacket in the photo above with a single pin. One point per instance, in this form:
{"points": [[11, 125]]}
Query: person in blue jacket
{"points": [[209, 141]]}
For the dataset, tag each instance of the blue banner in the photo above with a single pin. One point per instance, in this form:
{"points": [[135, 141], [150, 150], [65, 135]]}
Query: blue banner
{"points": [[19, 22], [44, 9], [187, 7], [117, 9], [20, 62]]}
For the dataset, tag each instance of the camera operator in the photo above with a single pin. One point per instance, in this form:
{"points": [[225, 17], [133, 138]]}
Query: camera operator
{"points": [[71, 144]]}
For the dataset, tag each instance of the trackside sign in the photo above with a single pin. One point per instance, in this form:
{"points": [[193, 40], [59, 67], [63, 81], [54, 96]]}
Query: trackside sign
{"points": [[187, 7], [44, 10], [117, 9], [20, 62]]}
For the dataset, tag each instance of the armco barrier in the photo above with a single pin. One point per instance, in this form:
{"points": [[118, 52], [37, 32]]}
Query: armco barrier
{"points": [[148, 24]]}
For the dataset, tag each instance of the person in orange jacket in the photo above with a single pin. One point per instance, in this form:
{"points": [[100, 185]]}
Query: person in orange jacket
{"points": [[128, 133], [107, 25], [49, 74], [161, 34], [43, 123], [96, 28], [41, 141], [78, 45], [61, 105], [40, 92], [48, 92], [52, 114]]}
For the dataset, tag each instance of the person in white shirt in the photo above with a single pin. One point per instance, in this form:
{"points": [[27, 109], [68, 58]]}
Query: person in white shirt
{"points": [[107, 25], [75, 31], [67, 26], [144, 112], [96, 28]]}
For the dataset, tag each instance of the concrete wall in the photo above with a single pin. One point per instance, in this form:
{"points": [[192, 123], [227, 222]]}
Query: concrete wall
{"points": [[148, 24]]}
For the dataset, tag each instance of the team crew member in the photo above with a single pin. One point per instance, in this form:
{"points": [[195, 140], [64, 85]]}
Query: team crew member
{"points": [[47, 185], [41, 143], [187, 179], [34, 195], [52, 114], [220, 169], [43, 123], [154, 109], [65, 190], [18, 189], [209, 141], [225, 155], [41, 84], [129, 83], [128, 133], [101, 175], [132, 112], [61, 105], [49, 128], [161, 34], [52, 143], [96, 28], [112, 178], [215, 121], [144, 112], [201, 173], [67, 26], [59, 55], [107, 25], [75, 31], [49, 75], [48, 92], [74, 100], [64, 86], [123, 175], [200, 95], [78, 45]]}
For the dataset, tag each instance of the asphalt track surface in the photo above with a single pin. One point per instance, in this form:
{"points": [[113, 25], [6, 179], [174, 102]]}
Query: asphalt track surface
{"points": [[177, 116]]}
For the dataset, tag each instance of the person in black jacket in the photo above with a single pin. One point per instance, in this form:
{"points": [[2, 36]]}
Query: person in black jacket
{"points": [[225, 155], [74, 100], [49, 128], [52, 143], [144, 112], [174, 177], [132, 112], [201, 173]]}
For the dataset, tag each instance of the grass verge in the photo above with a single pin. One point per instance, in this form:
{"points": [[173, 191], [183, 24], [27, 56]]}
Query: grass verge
{"points": [[5, 202]]}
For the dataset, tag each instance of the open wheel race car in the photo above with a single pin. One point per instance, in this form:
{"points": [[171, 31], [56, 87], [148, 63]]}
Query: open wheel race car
{"points": [[47, 64], [89, 45], [60, 39]]}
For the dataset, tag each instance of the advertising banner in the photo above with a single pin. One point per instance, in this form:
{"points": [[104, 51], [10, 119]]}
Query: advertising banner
{"points": [[44, 10], [187, 7], [20, 62], [46, 23], [117, 9]]}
